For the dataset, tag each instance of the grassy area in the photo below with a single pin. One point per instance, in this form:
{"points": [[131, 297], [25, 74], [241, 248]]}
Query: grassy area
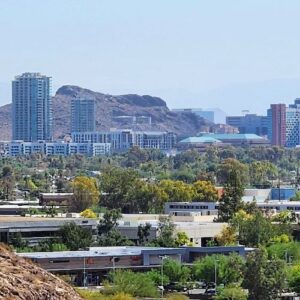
{"points": [[96, 295]]}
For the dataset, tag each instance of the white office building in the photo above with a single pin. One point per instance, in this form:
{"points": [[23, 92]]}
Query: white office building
{"points": [[123, 139]]}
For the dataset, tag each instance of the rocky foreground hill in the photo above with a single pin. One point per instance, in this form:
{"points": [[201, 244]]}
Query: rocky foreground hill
{"points": [[108, 111], [22, 280]]}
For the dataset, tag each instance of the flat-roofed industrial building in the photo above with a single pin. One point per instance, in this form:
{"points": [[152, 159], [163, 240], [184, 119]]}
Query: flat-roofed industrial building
{"points": [[93, 264], [37, 229]]}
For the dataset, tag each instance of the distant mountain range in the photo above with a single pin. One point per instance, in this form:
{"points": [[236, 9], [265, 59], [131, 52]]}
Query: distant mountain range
{"points": [[110, 113]]}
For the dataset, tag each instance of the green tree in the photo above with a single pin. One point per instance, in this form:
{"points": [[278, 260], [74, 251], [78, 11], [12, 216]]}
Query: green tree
{"points": [[75, 237], [264, 278], [289, 251], [181, 239], [136, 156], [155, 276], [118, 186], [234, 175], [204, 192], [232, 269], [135, 284], [227, 236], [229, 269], [88, 213], [108, 233], [49, 246], [109, 221], [143, 233], [166, 233], [256, 229], [17, 241], [204, 268], [186, 175], [285, 217], [148, 197], [7, 182], [177, 190], [232, 292], [294, 278], [175, 271], [86, 193], [260, 172]]}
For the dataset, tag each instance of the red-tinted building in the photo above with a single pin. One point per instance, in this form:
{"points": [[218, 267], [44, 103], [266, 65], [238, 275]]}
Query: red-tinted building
{"points": [[277, 114]]}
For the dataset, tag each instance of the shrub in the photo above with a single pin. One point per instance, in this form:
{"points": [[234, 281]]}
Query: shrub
{"points": [[88, 213]]}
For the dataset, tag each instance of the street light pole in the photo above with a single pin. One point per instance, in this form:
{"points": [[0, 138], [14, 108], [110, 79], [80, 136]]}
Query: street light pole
{"points": [[286, 256], [84, 276], [162, 257], [216, 273], [162, 279], [114, 265], [114, 259]]}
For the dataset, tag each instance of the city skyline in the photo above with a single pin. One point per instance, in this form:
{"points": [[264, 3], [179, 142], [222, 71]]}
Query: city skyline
{"points": [[218, 57]]}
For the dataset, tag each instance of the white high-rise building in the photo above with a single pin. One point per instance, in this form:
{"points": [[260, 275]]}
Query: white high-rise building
{"points": [[31, 107]]}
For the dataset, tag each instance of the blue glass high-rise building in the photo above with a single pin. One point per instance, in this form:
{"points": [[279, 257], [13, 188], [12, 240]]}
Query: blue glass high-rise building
{"points": [[32, 107], [293, 124], [83, 115]]}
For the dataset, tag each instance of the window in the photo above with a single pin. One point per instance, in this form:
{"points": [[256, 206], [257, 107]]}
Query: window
{"points": [[59, 261]]}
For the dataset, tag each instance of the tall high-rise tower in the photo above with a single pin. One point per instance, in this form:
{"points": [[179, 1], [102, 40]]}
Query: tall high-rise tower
{"points": [[31, 107], [82, 115], [277, 124]]}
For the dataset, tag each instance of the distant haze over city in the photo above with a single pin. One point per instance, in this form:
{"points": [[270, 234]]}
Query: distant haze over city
{"points": [[227, 54]]}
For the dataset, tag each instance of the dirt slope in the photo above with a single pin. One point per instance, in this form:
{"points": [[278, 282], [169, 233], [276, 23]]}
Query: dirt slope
{"points": [[22, 280]]}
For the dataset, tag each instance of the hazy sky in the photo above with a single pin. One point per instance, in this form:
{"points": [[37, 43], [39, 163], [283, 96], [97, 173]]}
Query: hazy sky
{"points": [[230, 54]]}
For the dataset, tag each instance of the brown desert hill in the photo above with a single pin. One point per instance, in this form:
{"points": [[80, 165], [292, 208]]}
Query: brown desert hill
{"points": [[110, 108], [5, 122], [22, 280], [110, 112]]}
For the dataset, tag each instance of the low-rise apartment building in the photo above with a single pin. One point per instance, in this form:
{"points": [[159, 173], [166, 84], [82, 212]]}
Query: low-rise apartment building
{"points": [[19, 148]]}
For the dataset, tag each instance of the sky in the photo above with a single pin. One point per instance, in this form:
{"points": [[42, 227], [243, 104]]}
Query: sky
{"points": [[235, 55]]}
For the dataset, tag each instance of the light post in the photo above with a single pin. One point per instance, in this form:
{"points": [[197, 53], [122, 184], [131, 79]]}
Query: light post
{"points": [[162, 257], [238, 233], [114, 259], [286, 256], [84, 275], [114, 264], [216, 260]]}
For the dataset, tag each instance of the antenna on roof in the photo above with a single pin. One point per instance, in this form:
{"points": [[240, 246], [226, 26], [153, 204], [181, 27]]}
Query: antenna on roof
{"points": [[245, 111]]}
